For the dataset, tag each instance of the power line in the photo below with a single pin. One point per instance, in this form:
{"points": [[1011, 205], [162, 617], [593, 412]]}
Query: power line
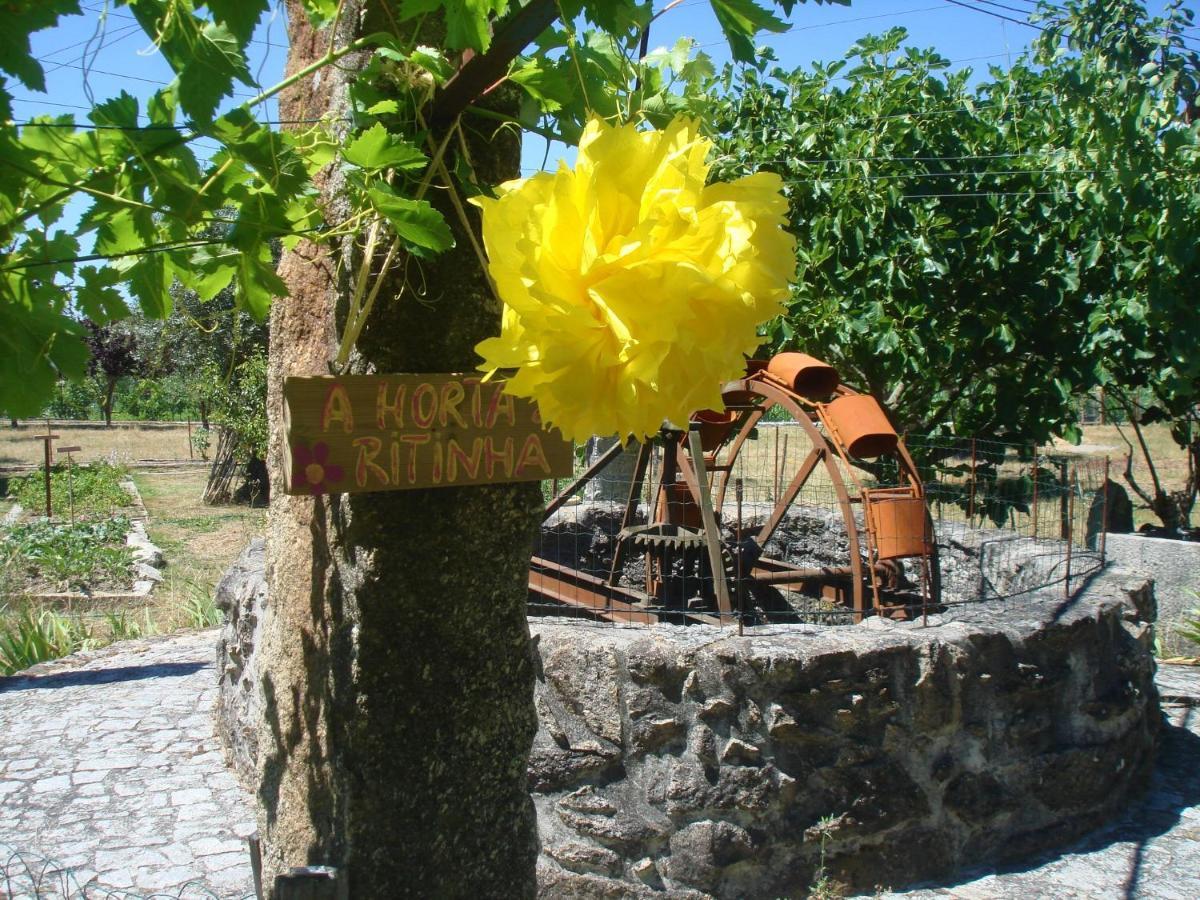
{"points": [[971, 174], [995, 15], [187, 126], [957, 194], [165, 247], [799, 28], [91, 70], [51, 103], [1015, 9], [117, 15], [45, 57]]}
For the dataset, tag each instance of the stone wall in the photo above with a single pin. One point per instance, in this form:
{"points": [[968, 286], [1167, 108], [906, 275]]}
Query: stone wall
{"points": [[1175, 568], [690, 762]]}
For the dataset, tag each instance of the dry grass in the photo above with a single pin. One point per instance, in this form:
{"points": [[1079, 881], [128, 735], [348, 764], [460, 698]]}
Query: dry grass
{"points": [[198, 541], [121, 443]]}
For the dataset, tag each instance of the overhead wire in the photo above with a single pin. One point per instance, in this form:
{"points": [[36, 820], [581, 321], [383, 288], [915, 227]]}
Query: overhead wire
{"points": [[995, 15]]}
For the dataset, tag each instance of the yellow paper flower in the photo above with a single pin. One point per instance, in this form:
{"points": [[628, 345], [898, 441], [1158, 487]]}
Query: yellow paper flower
{"points": [[632, 291]]}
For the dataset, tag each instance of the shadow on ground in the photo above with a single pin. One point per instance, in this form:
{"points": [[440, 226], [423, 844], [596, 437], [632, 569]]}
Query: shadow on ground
{"points": [[81, 677]]}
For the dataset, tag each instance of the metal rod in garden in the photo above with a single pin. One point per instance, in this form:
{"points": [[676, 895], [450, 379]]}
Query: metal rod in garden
{"points": [[191, 452], [70, 476], [1104, 508], [712, 536], [1070, 531], [47, 440]]}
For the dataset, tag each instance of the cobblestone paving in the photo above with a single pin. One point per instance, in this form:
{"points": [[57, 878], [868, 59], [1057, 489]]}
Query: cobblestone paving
{"points": [[1152, 852], [109, 766]]}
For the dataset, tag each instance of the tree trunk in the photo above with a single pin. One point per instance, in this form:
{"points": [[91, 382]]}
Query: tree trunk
{"points": [[398, 701], [110, 388]]}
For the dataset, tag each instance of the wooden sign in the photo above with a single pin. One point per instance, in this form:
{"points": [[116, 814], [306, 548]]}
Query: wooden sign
{"points": [[365, 433]]}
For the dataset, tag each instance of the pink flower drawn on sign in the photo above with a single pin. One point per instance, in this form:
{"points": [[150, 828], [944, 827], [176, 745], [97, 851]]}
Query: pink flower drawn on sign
{"points": [[311, 470]]}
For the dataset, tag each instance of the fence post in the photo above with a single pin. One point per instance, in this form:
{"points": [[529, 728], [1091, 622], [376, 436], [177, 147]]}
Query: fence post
{"points": [[1035, 491], [1064, 522], [1104, 516], [1074, 483], [971, 498]]}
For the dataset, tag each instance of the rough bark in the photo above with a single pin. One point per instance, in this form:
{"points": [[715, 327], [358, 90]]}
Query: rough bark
{"points": [[398, 688]]}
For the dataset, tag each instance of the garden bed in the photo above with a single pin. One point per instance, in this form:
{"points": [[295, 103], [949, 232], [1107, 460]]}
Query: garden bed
{"points": [[101, 551]]}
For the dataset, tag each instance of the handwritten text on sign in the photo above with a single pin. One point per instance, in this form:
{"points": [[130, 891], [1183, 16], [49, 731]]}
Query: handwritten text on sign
{"points": [[361, 433]]}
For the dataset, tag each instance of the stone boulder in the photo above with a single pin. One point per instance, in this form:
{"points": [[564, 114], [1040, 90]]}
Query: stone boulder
{"points": [[241, 595]]}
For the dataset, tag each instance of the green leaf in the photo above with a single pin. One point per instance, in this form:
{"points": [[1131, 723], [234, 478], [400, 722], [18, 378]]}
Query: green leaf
{"points": [[205, 55], [741, 20], [241, 17], [257, 283], [97, 297], [21, 19], [39, 343], [149, 281], [375, 149], [320, 12], [420, 225], [467, 21]]}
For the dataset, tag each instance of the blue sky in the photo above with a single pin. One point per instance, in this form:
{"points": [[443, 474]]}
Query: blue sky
{"points": [[83, 53]]}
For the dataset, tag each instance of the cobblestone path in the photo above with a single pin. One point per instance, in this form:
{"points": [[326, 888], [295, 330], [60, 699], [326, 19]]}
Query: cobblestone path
{"points": [[109, 767]]}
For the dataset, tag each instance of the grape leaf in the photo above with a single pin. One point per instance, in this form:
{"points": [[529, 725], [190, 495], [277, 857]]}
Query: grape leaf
{"points": [[741, 20], [376, 149], [419, 224]]}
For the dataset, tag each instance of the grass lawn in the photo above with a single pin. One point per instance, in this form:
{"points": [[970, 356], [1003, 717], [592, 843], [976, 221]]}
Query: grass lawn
{"points": [[198, 541]]}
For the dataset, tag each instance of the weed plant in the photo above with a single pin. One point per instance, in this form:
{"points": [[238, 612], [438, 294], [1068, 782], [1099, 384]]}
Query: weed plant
{"points": [[96, 488], [43, 555], [32, 636], [1190, 628], [201, 611]]}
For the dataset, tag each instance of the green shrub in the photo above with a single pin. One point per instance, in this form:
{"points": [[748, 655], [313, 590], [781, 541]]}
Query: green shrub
{"points": [[75, 400], [170, 397], [96, 488]]}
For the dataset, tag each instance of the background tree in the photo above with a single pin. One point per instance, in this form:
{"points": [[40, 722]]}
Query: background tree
{"points": [[1142, 215], [239, 404], [980, 256], [113, 355]]}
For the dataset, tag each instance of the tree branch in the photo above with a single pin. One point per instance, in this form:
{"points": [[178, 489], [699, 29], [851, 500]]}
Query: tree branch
{"points": [[481, 72]]}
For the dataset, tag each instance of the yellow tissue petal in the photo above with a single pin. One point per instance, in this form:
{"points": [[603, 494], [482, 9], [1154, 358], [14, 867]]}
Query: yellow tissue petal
{"points": [[632, 289]]}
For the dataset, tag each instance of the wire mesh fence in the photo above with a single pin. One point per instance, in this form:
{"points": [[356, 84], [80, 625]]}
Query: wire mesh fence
{"points": [[29, 875], [806, 535]]}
